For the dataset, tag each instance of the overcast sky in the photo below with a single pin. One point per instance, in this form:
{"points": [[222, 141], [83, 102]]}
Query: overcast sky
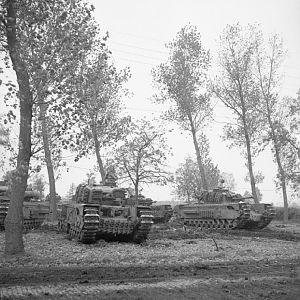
{"points": [[138, 32]]}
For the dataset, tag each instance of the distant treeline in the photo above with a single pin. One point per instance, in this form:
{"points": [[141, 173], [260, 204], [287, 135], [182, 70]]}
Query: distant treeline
{"points": [[294, 214]]}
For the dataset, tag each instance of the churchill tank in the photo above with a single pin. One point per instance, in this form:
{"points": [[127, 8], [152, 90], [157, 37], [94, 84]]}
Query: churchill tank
{"points": [[34, 210], [223, 209], [104, 211]]}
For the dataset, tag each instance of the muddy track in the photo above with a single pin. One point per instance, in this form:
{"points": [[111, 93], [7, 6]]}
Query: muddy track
{"points": [[38, 275], [251, 280]]}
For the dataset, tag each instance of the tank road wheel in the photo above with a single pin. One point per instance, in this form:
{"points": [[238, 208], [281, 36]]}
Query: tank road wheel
{"points": [[140, 234], [137, 237], [72, 232], [234, 224], [210, 224], [60, 226], [79, 236], [226, 224]]}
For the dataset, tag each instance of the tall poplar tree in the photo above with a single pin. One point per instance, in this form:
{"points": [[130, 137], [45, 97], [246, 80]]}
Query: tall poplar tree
{"points": [[269, 57], [182, 84], [14, 219], [99, 91], [44, 40], [237, 89]]}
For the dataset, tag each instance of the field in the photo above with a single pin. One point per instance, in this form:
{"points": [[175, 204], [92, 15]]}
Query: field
{"points": [[173, 264]]}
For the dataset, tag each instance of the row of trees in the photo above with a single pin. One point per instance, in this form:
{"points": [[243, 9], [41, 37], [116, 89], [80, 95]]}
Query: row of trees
{"points": [[248, 84], [70, 98]]}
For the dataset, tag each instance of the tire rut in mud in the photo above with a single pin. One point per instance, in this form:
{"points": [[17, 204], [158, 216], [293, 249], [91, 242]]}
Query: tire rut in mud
{"points": [[36, 275]]}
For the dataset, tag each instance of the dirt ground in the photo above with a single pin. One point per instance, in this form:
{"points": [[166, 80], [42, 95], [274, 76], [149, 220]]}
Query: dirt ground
{"points": [[174, 264]]}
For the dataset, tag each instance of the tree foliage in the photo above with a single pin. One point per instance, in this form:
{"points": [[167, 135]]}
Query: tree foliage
{"points": [[54, 41], [182, 83], [38, 183], [71, 192], [229, 181], [44, 40], [188, 180], [276, 111], [236, 87], [141, 159], [286, 127], [98, 90]]}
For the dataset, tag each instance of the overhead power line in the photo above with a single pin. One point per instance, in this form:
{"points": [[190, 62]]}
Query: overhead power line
{"points": [[136, 61], [136, 54], [141, 37], [137, 47]]}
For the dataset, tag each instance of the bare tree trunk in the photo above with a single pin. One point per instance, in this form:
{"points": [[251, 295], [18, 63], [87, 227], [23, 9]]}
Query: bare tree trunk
{"points": [[280, 170], [14, 219], [97, 150], [266, 89], [136, 194], [136, 200], [48, 159], [250, 164], [198, 155]]}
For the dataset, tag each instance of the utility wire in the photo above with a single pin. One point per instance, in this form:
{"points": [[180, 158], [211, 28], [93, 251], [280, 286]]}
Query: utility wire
{"points": [[136, 54], [135, 61], [137, 47], [139, 36]]}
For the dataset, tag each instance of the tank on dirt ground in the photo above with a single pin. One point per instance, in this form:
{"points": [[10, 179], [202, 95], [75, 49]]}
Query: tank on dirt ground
{"points": [[104, 210], [34, 210], [221, 208]]}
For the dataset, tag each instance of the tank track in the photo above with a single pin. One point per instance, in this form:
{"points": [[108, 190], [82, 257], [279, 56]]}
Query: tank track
{"points": [[115, 226], [133, 231], [84, 230], [91, 225], [28, 224], [143, 228], [267, 217], [216, 224], [3, 212]]}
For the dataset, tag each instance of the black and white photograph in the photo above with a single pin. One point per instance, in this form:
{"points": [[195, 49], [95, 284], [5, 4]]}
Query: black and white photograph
{"points": [[150, 150]]}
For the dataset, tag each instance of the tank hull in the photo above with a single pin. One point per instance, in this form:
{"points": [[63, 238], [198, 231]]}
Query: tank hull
{"points": [[220, 208], [87, 223], [218, 216], [103, 212], [34, 212], [213, 216]]}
